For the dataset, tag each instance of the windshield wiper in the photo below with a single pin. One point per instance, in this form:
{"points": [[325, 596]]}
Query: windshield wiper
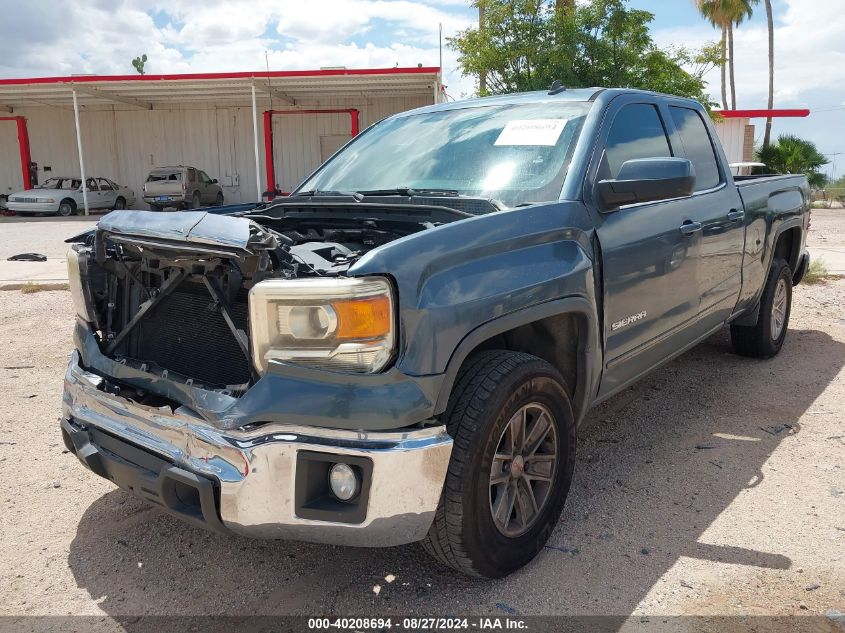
{"points": [[410, 192], [318, 193]]}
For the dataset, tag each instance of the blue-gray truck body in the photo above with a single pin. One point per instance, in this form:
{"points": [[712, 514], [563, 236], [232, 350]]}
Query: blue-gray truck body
{"points": [[603, 291]]}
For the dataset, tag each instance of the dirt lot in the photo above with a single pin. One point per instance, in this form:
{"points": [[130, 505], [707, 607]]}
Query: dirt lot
{"points": [[715, 486]]}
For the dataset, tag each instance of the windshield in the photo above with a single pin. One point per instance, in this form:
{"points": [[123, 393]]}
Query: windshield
{"points": [[60, 183], [516, 154]]}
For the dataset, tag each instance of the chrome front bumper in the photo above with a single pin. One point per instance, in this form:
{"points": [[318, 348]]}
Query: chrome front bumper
{"points": [[255, 471], [33, 207]]}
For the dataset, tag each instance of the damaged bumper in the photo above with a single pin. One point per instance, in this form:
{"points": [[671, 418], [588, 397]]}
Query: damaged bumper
{"points": [[268, 482]]}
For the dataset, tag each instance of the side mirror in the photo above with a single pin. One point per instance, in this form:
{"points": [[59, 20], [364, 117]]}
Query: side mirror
{"points": [[214, 181], [647, 180]]}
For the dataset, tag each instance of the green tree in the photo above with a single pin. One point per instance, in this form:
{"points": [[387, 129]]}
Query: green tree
{"points": [[139, 62], [526, 44], [794, 155]]}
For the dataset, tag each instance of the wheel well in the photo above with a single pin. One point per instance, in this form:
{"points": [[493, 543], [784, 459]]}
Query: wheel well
{"points": [[788, 247], [71, 201], [554, 339]]}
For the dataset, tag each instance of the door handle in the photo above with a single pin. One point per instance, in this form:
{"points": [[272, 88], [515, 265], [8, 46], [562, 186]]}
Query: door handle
{"points": [[735, 215], [689, 228]]}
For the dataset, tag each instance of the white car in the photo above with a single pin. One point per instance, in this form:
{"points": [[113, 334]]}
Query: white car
{"points": [[64, 196]]}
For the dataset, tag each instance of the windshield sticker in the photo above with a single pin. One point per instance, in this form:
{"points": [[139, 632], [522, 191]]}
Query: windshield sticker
{"points": [[533, 132]]}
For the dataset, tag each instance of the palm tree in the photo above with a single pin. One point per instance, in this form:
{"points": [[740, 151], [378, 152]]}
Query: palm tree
{"points": [[794, 155], [725, 14], [712, 10], [768, 135], [737, 11]]}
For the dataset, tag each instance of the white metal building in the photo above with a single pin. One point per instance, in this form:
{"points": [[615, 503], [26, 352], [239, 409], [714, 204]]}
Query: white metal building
{"points": [[250, 131]]}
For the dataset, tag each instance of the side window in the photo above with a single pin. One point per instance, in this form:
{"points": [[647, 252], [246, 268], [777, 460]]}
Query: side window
{"points": [[204, 177], [92, 184], [105, 185], [698, 146], [636, 132]]}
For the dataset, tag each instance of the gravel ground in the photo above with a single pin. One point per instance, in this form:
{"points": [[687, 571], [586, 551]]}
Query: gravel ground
{"points": [[715, 486]]}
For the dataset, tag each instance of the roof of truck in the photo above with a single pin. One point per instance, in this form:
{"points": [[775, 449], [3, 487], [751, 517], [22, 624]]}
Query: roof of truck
{"points": [[540, 96]]}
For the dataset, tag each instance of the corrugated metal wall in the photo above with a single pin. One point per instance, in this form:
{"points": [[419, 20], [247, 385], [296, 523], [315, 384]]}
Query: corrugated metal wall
{"points": [[124, 144]]}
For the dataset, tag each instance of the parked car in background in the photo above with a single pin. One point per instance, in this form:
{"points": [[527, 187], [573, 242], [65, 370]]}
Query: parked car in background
{"points": [[63, 195], [181, 187]]}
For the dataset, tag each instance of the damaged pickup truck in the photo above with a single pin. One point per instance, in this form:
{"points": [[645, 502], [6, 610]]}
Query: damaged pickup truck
{"points": [[403, 349]]}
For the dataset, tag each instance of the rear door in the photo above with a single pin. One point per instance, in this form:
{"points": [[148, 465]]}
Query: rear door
{"points": [[107, 193], [717, 207], [95, 198], [648, 255]]}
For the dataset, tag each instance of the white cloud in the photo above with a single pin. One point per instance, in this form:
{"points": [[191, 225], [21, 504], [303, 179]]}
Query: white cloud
{"points": [[102, 36]]}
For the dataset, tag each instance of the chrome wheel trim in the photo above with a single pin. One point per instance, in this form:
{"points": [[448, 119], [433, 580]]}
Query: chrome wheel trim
{"points": [[779, 305], [523, 470]]}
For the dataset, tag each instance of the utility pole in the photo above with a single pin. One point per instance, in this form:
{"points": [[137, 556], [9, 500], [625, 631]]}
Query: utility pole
{"points": [[482, 76]]}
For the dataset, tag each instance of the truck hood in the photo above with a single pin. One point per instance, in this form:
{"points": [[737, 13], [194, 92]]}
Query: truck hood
{"points": [[193, 227], [43, 193]]}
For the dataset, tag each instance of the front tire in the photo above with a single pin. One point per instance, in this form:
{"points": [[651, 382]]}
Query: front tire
{"points": [[218, 201], [120, 204], [765, 339], [66, 208], [505, 487]]}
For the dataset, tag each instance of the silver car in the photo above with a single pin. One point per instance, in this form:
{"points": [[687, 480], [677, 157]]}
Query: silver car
{"points": [[182, 187], [63, 195]]}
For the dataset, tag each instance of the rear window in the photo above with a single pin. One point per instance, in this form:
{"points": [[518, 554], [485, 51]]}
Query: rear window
{"points": [[165, 175], [698, 147]]}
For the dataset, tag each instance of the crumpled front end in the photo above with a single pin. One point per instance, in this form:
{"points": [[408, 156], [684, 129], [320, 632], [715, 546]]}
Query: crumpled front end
{"points": [[269, 481]]}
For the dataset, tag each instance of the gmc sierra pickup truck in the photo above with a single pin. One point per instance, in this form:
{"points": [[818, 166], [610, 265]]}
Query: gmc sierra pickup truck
{"points": [[403, 349]]}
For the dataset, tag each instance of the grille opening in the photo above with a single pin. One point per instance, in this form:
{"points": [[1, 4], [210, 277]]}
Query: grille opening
{"points": [[186, 333]]}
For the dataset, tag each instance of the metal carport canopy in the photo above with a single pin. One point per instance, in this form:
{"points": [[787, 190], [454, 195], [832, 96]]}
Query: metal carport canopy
{"points": [[293, 88]]}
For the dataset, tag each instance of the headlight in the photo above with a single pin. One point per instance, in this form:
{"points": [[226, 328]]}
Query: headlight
{"points": [[45, 200], [344, 324], [77, 268]]}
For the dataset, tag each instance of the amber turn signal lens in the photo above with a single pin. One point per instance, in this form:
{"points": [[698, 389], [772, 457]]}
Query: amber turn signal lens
{"points": [[363, 318]]}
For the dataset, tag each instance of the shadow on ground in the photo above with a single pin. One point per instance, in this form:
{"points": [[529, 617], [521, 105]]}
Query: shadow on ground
{"points": [[657, 465]]}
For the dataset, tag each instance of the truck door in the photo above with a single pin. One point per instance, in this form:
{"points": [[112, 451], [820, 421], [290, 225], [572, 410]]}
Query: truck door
{"points": [[648, 251], [717, 207]]}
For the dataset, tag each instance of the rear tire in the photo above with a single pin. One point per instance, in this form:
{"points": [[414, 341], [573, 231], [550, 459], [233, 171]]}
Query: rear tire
{"points": [[765, 339], [475, 529], [196, 200]]}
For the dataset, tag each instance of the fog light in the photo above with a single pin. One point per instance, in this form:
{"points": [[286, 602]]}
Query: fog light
{"points": [[343, 482]]}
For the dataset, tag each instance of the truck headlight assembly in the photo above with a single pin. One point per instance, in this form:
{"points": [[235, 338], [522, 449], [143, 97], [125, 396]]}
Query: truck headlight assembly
{"points": [[345, 324]]}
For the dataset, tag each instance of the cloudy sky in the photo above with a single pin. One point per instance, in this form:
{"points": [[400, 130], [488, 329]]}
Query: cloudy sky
{"points": [[63, 37]]}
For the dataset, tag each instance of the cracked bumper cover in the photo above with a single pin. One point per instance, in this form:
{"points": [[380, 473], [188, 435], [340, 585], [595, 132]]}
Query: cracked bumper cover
{"points": [[246, 479]]}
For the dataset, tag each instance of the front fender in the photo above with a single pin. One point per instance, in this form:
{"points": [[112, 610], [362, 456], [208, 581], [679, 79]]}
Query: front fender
{"points": [[458, 282]]}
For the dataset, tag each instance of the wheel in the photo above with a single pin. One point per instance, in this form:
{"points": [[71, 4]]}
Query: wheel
{"points": [[511, 467], [195, 200], [66, 208], [120, 204], [155, 207], [218, 201], [765, 339]]}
